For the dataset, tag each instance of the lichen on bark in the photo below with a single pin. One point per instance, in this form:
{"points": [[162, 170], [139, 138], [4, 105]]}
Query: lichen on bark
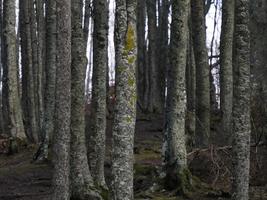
{"points": [[125, 106]]}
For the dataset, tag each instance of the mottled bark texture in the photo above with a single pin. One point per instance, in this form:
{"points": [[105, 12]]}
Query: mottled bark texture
{"points": [[50, 78], [14, 116], [190, 94], [82, 185], [241, 103], [142, 90], [226, 70], [202, 74], [176, 97], [61, 145], [28, 92], [40, 19], [125, 105], [156, 102], [50, 81], [34, 45], [96, 146]]}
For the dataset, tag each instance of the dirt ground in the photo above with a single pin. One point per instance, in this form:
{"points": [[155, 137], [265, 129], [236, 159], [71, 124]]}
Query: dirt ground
{"points": [[24, 180]]}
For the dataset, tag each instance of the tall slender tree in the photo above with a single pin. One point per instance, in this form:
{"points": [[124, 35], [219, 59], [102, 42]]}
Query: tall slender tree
{"points": [[35, 65], [28, 92], [191, 91], [61, 146], [40, 19], [156, 102], [202, 74], [163, 45], [226, 68], [176, 160], [125, 106], [82, 184], [96, 148], [142, 90], [241, 103], [14, 122], [50, 81]]}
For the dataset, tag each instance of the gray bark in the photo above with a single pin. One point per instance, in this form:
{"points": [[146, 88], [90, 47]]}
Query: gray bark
{"points": [[141, 54], [176, 95], [241, 103], [41, 67], [155, 101], [35, 65], [125, 105], [226, 74], [202, 75], [28, 92], [15, 127], [50, 81], [191, 94], [96, 146], [82, 185], [61, 146], [163, 45]]}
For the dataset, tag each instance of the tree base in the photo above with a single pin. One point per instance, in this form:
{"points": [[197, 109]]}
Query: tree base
{"points": [[181, 181], [90, 193]]}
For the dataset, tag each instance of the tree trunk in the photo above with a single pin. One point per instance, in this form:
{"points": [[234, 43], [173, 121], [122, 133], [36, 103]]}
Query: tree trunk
{"points": [[61, 146], [28, 92], [96, 146], [155, 100], [41, 66], [125, 105], [191, 93], [82, 185], [15, 125], [226, 69], [202, 75], [241, 103], [35, 65], [50, 81], [176, 97], [141, 53], [163, 45]]}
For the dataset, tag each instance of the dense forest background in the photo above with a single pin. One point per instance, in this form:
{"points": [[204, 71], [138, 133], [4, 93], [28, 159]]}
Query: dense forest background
{"points": [[133, 99]]}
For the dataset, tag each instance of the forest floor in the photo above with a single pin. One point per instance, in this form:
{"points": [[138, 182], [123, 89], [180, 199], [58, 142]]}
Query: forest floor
{"points": [[22, 179]]}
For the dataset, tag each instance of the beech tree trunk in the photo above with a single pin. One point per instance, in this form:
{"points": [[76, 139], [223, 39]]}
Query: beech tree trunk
{"points": [[28, 92], [61, 146], [50, 81], [226, 69], [202, 74], [14, 123], [96, 146], [82, 185], [176, 97], [241, 103], [125, 105], [142, 96], [156, 102]]}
